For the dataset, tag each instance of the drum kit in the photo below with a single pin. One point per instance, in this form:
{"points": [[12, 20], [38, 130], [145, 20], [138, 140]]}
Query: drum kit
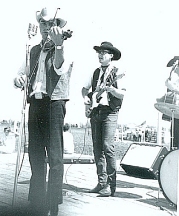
{"points": [[168, 177]]}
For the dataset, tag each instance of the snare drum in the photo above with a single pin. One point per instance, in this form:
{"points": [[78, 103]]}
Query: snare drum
{"points": [[168, 176]]}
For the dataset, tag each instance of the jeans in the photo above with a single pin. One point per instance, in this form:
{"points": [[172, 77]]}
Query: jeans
{"points": [[103, 125], [45, 125]]}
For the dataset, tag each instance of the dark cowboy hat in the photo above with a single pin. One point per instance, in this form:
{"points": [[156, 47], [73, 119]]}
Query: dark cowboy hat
{"points": [[172, 61], [108, 46], [7, 129], [49, 15]]}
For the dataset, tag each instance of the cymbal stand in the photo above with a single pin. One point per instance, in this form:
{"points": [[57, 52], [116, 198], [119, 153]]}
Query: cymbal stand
{"points": [[32, 31], [172, 126]]}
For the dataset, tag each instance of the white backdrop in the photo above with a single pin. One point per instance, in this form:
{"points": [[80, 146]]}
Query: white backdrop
{"points": [[146, 32]]}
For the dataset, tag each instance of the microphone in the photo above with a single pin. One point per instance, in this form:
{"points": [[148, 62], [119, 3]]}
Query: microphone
{"points": [[32, 30]]}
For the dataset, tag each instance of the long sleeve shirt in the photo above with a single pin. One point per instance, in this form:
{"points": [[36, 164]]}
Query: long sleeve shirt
{"points": [[39, 84]]}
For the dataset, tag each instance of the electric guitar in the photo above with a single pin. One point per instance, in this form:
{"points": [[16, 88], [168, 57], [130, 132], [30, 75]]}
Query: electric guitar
{"points": [[97, 96]]}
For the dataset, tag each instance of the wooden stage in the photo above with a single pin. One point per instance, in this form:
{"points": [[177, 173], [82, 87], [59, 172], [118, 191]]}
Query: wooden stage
{"points": [[134, 196]]}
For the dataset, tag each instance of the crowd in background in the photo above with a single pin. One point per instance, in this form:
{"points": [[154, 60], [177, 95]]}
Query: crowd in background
{"points": [[137, 135]]}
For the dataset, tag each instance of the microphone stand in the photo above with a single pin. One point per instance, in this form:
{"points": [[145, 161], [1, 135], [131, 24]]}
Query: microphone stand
{"points": [[32, 31]]}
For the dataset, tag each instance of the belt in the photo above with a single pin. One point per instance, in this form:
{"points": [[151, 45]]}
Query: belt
{"points": [[39, 96], [103, 109]]}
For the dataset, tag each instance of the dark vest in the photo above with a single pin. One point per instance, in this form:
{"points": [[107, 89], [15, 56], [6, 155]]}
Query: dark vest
{"points": [[114, 103], [52, 77]]}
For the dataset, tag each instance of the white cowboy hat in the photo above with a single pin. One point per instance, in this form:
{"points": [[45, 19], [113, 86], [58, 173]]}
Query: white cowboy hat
{"points": [[47, 15]]}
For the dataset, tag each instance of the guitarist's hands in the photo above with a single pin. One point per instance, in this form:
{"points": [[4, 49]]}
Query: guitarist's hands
{"points": [[109, 89], [98, 88], [19, 81], [118, 93]]}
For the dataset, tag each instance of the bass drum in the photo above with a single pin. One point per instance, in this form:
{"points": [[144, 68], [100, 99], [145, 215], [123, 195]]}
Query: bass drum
{"points": [[168, 176]]}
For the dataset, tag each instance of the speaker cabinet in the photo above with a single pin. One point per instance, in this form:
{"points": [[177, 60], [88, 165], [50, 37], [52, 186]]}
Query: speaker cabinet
{"points": [[143, 160]]}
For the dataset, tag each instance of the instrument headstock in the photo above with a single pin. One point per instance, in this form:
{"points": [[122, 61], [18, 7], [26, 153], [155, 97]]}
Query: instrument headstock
{"points": [[67, 34]]}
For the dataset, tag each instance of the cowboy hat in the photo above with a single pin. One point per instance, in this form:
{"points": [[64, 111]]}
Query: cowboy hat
{"points": [[172, 61], [46, 15], [108, 46], [7, 129]]}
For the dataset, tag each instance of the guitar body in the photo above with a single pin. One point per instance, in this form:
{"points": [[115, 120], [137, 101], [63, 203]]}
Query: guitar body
{"points": [[96, 97], [169, 98], [94, 103]]}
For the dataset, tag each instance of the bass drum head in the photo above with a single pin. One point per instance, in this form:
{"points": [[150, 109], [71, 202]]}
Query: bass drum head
{"points": [[168, 176]]}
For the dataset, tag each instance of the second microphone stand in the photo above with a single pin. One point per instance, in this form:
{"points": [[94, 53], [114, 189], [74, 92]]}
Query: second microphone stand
{"points": [[31, 32]]}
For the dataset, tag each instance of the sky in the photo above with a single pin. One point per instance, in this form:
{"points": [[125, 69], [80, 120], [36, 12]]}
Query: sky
{"points": [[145, 31]]}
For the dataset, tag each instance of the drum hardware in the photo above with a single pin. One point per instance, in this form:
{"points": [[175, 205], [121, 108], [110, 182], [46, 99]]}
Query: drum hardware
{"points": [[156, 173], [172, 136], [169, 105], [168, 176], [169, 110], [162, 156]]}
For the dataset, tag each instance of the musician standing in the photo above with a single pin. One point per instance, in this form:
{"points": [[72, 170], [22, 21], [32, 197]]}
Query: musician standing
{"points": [[48, 92], [104, 117]]}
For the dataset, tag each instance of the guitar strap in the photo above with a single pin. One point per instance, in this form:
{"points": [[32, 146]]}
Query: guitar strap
{"points": [[114, 103], [102, 78], [96, 77], [111, 75]]}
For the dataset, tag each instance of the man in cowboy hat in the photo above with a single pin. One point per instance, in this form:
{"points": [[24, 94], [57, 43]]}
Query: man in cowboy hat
{"points": [[48, 92], [104, 101]]}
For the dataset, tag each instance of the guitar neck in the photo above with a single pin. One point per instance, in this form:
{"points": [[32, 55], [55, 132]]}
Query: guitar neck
{"points": [[109, 84], [103, 90], [100, 93]]}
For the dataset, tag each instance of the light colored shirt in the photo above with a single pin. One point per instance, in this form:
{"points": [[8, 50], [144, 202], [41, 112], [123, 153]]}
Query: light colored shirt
{"points": [[68, 143], [8, 143], [88, 84], [39, 85], [173, 84]]}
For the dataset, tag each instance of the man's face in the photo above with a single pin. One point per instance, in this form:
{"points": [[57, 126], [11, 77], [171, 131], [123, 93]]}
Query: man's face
{"points": [[45, 27], [6, 132], [104, 57]]}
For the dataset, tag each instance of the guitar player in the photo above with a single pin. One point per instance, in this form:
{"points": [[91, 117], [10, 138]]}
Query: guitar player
{"points": [[107, 97]]}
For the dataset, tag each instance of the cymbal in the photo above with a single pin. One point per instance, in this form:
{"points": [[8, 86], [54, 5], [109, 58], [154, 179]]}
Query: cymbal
{"points": [[168, 109]]}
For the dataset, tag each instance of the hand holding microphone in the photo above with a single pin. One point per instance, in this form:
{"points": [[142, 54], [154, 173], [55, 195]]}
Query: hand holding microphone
{"points": [[19, 81]]}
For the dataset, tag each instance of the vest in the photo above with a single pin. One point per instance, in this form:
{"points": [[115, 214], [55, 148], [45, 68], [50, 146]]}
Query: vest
{"points": [[114, 103], [53, 80]]}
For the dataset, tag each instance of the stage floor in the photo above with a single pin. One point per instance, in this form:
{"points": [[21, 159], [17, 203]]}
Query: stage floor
{"points": [[134, 196]]}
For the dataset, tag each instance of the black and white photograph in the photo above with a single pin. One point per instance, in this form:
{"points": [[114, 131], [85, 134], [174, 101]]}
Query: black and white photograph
{"points": [[89, 117]]}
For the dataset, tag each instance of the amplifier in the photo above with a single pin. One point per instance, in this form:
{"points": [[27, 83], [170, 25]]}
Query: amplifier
{"points": [[143, 160]]}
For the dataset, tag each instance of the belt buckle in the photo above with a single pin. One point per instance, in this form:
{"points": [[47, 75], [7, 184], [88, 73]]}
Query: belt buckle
{"points": [[38, 95]]}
